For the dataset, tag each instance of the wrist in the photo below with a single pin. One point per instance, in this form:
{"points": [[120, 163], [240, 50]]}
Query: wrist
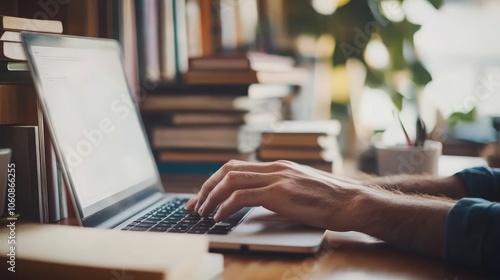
{"points": [[409, 222]]}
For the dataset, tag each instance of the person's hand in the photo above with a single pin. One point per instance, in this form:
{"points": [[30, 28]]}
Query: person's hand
{"points": [[289, 189]]}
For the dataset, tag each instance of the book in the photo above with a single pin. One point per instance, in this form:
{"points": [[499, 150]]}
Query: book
{"points": [[243, 139], [181, 40], [14, 72], [242, 62], [35, 25], [167, 37], [204, 103], [210, 118], [210, 33], [68, 252], [256, 91], [200, 156], [296, 76], [297, 140], [271, 154], [10, 36], [148, 41], [11, 66], [194, 28], [128, 38], [312, 134], [12, 51], [195, 118]]}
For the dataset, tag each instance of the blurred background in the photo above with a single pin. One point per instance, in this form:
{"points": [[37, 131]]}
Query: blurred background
{"points": [[434, 58]]}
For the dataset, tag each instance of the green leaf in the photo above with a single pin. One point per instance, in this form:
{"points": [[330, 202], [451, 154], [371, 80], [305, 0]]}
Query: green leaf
{"points": [[396, 54], [397, 98], [421, 76], [436, 3], [374, 78], [457, 117]]}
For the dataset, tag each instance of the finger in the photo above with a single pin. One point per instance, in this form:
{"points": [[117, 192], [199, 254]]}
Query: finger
{"points": [[191, 204], [233, 181], [240, 199], [235, 165]]}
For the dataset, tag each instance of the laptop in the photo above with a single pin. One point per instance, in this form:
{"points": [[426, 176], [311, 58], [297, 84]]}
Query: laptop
{"points": [[106, 159]]}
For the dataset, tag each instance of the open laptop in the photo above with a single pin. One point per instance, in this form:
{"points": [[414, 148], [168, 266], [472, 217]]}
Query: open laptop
{"points": [[106, 159]]}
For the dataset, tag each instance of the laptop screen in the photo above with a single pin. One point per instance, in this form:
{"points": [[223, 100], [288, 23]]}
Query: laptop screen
{"points": [[94, 120]]}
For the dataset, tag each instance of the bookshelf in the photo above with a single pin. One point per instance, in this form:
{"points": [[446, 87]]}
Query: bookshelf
{"points": [[40, 190]]}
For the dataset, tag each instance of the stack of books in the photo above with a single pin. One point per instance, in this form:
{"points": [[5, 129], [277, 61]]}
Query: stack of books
{"points": [[13, 66], [248, 68], [195, 130], [312, 143]]}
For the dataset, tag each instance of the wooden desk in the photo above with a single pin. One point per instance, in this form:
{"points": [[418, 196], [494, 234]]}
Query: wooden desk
{"points": [[346, 256]]}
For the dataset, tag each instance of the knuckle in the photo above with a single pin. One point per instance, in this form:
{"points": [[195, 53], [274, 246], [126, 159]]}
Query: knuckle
{"points": [[238, 195], [230, 165], [279, 189], [281, 165], [231, 176]]}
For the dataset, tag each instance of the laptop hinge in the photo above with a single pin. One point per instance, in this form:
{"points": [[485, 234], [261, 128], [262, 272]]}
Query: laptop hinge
{"points": [[130, 212]]}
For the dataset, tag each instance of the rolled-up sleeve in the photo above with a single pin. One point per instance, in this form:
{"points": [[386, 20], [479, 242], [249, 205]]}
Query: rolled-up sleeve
{"points": [[473, 225], [482, 182]]}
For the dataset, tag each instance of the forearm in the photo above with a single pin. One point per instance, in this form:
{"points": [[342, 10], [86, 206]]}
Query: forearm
{"points": [[452, 187], [409, 222]]}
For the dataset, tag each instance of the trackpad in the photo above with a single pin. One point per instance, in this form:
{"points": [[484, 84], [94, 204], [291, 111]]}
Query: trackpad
{"points": [[261, 214]]}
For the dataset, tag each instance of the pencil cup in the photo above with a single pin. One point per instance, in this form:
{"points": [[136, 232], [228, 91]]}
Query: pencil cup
{"points": [[403, 159]]}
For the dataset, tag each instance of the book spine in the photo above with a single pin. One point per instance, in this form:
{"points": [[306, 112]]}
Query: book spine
{"points": [[181, 42], [42, 168], [147, 27], [168, 43]]}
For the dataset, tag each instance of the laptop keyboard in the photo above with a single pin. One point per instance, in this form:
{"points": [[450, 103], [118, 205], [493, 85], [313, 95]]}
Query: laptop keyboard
{"points": [[172, 217]]}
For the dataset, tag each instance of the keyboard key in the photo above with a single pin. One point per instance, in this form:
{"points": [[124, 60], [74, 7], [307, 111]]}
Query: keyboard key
{"points": [[147, 222], [179, 229], [159, 229], [137, 229], [219, 232], [197, 231], [205, 224]]}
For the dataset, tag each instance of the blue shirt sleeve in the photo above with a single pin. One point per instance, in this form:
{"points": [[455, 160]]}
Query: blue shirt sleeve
{"points": [[472, 234], [482, 182]]}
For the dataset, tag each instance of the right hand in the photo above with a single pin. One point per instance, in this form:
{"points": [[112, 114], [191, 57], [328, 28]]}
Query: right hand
{"points": [[289, 189]]}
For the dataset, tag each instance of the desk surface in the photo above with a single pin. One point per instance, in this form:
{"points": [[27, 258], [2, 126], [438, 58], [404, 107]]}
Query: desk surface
{"points": [[345, 256], [349, 256]]}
